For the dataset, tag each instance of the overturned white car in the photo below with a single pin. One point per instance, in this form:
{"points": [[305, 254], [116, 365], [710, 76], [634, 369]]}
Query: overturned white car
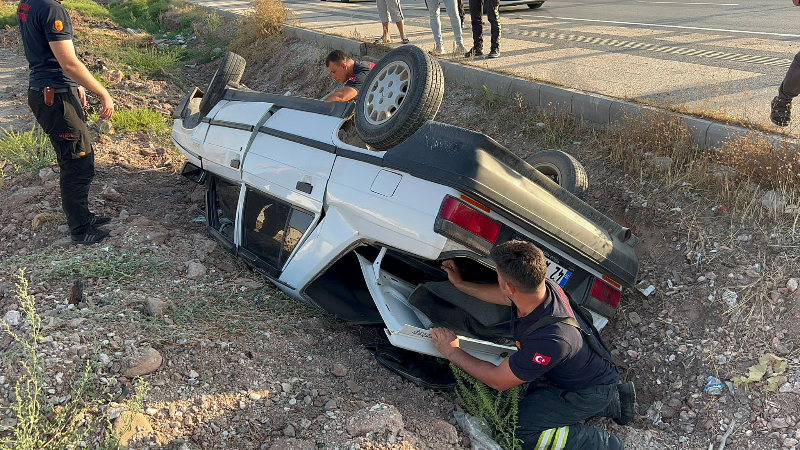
{"points": [[360, 231]]}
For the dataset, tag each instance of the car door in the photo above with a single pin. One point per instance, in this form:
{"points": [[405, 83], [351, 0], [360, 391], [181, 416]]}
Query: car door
{"points": [[286, 171], [230, 131]]}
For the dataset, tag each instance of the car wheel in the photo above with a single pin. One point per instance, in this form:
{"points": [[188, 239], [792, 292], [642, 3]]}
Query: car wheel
{"points": [[562, 168], [229, 73], [535, 5], [401, 93]]}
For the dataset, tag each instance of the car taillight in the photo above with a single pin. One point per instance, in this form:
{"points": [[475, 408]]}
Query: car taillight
{"points": [[605, 293], [470, 219]]}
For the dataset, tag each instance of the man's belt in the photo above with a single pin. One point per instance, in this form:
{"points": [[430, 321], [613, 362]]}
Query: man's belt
{"points": [[55, 90]]}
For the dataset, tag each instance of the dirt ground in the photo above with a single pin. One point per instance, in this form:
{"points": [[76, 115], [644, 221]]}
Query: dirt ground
{"points": [[243, 367]]}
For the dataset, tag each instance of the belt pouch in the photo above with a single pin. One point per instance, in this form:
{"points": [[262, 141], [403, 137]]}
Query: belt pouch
{"points": [[49, 96]]}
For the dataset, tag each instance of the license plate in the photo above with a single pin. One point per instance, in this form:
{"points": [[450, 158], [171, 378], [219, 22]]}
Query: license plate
{"points": [[557, 273]]}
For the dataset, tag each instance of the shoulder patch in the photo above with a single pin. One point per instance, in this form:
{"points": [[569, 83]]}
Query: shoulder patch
{"points": [[541, 359], [58, 25]]}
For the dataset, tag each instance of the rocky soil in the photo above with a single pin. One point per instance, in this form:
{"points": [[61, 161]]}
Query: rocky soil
{"points": [[231, 363]]}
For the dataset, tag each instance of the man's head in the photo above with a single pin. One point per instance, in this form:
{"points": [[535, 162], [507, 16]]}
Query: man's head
{"points": [[520, 264], [339, 65]]}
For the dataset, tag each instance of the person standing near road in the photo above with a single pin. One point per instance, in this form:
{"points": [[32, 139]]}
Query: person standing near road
{"points": [[781, 113], [571, 373], [476, 16], [56, 95], [345, 70], [391, 9], [436, 25]]}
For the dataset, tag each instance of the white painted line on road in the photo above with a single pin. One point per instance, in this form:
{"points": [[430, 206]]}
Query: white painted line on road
{"points": [[691, 3], [719, 30]]}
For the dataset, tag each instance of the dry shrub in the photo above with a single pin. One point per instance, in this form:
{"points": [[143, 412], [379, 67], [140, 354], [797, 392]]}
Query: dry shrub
{"points": [[640, 139], [756, 158], [256, 31]]}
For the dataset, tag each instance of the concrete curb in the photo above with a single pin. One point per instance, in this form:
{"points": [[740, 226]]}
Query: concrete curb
{"points": [[592, 108]]}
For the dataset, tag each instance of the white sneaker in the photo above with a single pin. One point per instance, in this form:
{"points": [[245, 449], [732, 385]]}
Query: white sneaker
{"points": [[437, 50], [460, 50]]}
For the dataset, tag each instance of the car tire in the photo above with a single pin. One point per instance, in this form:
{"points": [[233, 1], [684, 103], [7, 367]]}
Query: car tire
{"points": [[401, 93], [229, 73], [535, 5], [563, 169]]}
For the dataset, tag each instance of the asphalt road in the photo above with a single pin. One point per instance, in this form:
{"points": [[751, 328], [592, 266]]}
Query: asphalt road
{"points": [[724, 58]]}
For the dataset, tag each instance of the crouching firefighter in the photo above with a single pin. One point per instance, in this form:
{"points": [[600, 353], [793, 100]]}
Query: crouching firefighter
{"points": [[571, 373], [57, 98]]}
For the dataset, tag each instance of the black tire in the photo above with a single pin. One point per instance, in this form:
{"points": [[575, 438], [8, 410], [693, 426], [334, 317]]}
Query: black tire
{"points": [[563, 169], [229, 73], [535, 5], [411, 102]]}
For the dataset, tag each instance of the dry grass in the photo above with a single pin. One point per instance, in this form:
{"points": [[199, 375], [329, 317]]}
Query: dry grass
{"points": [[256, 31]]}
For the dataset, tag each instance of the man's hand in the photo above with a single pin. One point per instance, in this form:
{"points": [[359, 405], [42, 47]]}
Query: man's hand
{"points": [[796, 2], [82, 96], [453, 273], [108, 106], [445, 341]]}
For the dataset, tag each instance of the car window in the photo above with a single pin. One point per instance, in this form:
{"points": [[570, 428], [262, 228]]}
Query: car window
{"points": [[226, 198], [272, 228]]}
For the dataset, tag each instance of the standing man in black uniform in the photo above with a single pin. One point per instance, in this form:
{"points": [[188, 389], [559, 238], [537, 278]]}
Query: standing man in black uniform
{"points": [[476, 18], [56, 95], [781, 112], [571, 372]]}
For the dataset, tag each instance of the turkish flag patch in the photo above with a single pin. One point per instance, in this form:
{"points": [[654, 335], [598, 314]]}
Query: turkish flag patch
{"points": [[541, 359]]}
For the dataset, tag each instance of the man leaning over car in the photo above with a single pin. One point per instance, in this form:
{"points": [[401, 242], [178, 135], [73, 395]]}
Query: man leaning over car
{"points": [[571, 373], [345, 70]]}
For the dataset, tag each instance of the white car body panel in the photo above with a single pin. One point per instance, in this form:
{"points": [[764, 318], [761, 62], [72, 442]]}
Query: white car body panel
{"points": [[404, 220], [318, 127]]}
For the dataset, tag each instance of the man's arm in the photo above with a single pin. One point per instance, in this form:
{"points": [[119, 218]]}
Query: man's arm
{"points": [[496, 377], [489, 293], [345, 94], [64, 52]]}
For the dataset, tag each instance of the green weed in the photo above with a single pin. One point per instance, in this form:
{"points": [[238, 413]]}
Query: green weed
{"points": [[151, 60], [139, 14], [26, 151], [116, 266], [87, 8], [40, 423], [499, 409], [141, 119], [8, 14]]}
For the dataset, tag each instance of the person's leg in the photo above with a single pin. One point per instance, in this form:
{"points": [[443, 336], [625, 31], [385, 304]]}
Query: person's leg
{"points": [[402, 31], [788, 90], [493, 13], [455, 23], [436, 24], [476, 19], [461, 12], [383, 14], [63, 122], [396, 14], [548, 418]]}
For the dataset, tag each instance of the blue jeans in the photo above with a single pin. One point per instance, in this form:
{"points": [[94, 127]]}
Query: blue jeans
{"points": [[436, 24]]}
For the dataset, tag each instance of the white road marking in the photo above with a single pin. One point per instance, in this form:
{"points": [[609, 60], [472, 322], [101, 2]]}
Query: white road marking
{"points": [[718, 30], [690, 3]]}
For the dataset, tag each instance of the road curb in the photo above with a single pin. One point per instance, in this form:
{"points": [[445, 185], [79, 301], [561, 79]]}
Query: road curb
{"points": [[586, 106]]}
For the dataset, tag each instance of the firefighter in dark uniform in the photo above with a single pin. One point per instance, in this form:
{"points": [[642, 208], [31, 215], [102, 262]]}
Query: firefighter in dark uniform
{"points": [[571, 373], [56, 95]]}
